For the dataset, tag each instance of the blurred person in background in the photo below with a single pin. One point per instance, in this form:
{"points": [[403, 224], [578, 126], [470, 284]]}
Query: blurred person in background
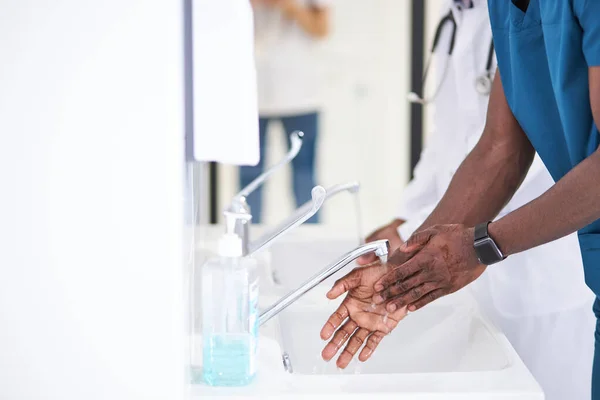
{"points": [[538, 298], [287, 33]]}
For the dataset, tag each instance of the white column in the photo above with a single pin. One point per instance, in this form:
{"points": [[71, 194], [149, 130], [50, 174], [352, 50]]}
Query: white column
{"points": [[91, 207]]}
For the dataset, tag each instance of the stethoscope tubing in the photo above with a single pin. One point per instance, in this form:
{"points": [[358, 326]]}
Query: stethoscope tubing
{"points": [[483, 83]]}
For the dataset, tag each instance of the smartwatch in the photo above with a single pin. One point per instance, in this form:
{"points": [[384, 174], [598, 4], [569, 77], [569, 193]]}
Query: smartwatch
{"points": [[486, 249]]}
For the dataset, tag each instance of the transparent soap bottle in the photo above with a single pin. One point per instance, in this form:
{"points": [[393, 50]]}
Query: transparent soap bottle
{"points": [[229, 316]]}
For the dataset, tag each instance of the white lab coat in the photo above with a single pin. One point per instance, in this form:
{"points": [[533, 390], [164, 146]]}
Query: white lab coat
{"points": [[538, 298]]}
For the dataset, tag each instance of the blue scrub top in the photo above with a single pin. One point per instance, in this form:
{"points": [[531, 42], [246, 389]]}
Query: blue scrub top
{"points": [[543, 55]]}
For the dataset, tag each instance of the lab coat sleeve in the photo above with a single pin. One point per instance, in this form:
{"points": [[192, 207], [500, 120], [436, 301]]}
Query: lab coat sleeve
{"points": [[587, 11], [411, 225], [420, 195]]}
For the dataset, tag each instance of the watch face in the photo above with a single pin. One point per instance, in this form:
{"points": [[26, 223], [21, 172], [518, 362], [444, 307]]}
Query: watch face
{"points": [[487, 251]]}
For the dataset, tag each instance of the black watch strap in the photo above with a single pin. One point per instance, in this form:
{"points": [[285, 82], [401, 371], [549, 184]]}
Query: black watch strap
{"points": [[481, 231]]}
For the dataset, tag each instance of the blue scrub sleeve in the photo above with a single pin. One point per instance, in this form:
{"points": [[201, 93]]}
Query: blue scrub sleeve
{"points": [[588, 13]]}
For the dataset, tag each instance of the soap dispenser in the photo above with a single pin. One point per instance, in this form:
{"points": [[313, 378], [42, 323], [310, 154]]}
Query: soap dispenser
{"points": [[229, 314]]}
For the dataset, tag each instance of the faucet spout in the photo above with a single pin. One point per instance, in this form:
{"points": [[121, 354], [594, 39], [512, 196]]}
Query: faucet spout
{"points": [[295, 145], [351, 187], [318, 194], [304, 212], [381, 249], [238, 213]]}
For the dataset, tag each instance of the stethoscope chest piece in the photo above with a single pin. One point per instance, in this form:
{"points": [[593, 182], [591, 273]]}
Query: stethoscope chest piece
{"points": [[483, 84]]}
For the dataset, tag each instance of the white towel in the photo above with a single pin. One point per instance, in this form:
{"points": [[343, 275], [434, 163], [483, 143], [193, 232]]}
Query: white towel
{"points": [[224, 76]]}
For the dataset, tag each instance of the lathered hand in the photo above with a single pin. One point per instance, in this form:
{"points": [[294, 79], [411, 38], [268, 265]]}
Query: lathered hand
{"points": [[358, 321]]}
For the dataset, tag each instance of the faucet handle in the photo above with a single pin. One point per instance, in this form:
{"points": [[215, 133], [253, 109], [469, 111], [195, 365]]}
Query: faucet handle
{"points": [[296, 145], [318, 194]]}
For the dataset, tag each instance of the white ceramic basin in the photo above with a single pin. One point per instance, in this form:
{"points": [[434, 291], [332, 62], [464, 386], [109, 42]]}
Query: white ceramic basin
{"points": [[436, 339], [447, 336]]}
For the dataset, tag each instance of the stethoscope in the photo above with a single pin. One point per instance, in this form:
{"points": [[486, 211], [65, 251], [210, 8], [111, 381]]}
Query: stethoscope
{"points": [[483, 83]]}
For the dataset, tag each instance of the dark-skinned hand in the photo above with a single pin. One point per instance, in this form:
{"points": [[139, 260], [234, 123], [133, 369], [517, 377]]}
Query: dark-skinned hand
{"points": [[357, 321], [442, 261]]}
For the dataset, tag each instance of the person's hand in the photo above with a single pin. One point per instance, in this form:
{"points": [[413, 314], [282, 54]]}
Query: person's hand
{"points": [[285, 6], [442, 261], [265, 3], [389, 232], [256, 3], [361, 321]]}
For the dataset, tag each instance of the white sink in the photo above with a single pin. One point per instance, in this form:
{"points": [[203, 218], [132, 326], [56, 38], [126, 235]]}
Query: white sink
{"points": [[439, 338], [447, 350], [447, 336]]}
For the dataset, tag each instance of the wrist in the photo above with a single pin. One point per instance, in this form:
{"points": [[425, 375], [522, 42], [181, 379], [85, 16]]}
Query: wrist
{"points": [[495, 231], [473, 257]]}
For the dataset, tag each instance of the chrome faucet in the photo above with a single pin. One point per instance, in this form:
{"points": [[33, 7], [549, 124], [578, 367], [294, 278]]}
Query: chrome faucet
{"points": [[295, 146], [351, 187], [318, 194], [381, 249], [304, 212], [238, 214]]}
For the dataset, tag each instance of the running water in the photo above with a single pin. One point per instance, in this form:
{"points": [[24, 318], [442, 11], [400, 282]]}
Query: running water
{"points": [[358, 368], [359, 221]]}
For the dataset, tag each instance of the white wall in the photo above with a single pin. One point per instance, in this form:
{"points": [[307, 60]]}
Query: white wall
{"points": [[91, 167]]}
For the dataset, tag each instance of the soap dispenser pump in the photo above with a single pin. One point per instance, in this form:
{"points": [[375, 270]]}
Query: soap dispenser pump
{"points": [[229, 315]]}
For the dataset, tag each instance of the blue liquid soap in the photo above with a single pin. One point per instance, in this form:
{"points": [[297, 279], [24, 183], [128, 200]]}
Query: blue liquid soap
{"points": [[229, 316], [228, 360]]}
